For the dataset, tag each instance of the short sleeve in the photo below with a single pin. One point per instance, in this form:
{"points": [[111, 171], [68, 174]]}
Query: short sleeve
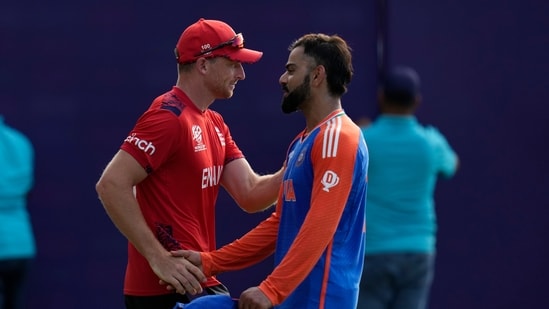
{"points": [[446, 157], [153, 139]]}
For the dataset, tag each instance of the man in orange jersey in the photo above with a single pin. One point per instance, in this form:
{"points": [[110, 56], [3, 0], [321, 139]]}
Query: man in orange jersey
{"points": [[317, 230]]}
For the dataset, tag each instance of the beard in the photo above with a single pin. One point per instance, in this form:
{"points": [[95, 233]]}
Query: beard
{"points": [[296, 97]]}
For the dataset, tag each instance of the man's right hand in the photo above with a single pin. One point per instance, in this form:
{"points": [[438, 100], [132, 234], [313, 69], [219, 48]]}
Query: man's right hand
{"points": [[189, 255], [178, 272]]}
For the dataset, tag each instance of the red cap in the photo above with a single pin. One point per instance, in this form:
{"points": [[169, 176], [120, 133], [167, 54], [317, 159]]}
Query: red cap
{"points": [[204, 38]]}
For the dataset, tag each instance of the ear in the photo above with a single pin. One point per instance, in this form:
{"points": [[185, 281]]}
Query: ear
{"points": [[417, 101], [380, 95], [176, 53], [202, 65], [319, 75]]}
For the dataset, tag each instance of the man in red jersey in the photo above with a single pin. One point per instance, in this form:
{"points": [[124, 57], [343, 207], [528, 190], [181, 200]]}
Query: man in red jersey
{"points": [[160, 188]]}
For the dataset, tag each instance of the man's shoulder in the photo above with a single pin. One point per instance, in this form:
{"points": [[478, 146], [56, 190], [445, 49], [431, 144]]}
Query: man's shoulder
{"points": [[170, 102]]}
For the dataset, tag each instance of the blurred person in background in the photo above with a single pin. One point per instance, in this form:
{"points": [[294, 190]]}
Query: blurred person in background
{"points": [[406, 159], [17, 243]]}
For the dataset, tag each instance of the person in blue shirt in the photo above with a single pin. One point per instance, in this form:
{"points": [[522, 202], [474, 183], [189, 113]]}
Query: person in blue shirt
{"points": [[17, 244], [406, 159], [316, 232]]}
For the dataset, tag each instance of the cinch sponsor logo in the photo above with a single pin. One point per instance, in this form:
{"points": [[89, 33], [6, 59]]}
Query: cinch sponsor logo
{"points": [[329, 180], [211, 176], [142, 144]]}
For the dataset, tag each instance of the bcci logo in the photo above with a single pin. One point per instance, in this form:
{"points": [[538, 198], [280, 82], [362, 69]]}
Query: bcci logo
{"points": [[329, 180], [301, 157]]}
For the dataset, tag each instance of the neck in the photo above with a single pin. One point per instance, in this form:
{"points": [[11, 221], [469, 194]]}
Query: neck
{"points": [[196, 92], [399, 110], [316, 111]]}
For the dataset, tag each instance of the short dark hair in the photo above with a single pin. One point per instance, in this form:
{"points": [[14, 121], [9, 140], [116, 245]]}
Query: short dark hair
{"points": [[332, 52]]}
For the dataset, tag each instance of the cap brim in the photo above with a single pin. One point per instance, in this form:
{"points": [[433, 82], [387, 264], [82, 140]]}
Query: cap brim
{"points": [[245, 55]]}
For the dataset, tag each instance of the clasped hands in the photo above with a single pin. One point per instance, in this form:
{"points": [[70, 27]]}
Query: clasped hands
{"points": [[180, 271], [189, 276]]}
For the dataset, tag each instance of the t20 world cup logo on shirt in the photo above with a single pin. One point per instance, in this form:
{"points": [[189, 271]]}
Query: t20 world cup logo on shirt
{"points": [[197, 138]]}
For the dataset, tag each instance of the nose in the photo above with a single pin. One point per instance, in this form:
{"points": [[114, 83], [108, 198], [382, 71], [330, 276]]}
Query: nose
{"points": [[240, 74], [283, 79]]}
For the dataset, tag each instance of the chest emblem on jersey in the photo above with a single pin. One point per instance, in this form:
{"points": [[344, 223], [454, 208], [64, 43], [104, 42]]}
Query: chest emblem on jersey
{"points": [[301, 157], [197, 138], [221, 136], [329, 180]]}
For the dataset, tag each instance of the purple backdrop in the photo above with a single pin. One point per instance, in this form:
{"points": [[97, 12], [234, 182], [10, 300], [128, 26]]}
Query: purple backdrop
{"points": [[76, 75]]}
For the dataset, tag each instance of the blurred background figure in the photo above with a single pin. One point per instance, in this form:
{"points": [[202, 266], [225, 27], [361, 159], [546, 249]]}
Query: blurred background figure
{"points": [[406, 159], [17, 244]]}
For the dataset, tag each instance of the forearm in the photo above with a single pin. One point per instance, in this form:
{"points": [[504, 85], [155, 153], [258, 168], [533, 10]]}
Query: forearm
{"points": [[264, 191], [251, 249], [123, 209], [252, 192]]}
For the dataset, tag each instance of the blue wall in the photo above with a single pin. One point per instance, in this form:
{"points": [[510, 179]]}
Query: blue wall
{"points": [[76, 75]]}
